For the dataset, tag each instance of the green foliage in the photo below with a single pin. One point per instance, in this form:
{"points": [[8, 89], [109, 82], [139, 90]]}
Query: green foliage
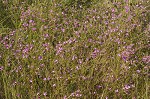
{"points": [[5, 17], [74, 49]]}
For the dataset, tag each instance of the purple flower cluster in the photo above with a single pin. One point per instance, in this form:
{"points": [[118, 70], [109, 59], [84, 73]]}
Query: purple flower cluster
{"points": [[95, 53], [126, 54], [146, 59]]}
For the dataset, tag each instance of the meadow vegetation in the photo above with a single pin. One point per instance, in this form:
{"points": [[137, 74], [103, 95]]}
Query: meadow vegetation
{"points": [[74, 49]]}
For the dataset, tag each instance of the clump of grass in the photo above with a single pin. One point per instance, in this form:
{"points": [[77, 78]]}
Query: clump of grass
{"points": [[76, 50]]}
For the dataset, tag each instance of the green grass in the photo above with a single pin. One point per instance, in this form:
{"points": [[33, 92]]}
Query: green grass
{"points": [[74, 49]]}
